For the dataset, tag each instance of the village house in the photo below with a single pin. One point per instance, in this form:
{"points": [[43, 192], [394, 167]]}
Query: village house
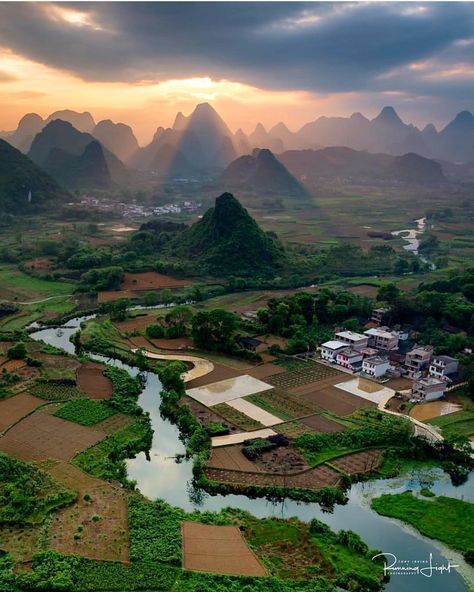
{"points": [[417, 360], [428, 389], [380, 315], [443, 367], [330, 349], [375, 366], [350, 359], [382, 338], [251, 344], [354, 340]]}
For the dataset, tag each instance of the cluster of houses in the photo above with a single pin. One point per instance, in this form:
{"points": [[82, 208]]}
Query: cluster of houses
{"points": [[380, 352]]}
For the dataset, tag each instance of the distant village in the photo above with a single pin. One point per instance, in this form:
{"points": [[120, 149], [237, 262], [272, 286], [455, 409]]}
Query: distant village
{"points": [[136, 210]]}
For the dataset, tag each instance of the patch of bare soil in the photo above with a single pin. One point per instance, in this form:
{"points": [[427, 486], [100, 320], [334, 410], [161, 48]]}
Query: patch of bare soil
{"points": [[324, 394], [282, 460], [220, 372], [96, 526], [63, 362], [115, 295], [114, 423], [314, 479], [138, 323], [232, 458], [265, 370], [359, 463], [91, 380], [319, 423], [40, 436], [151, 281], [14, 408], [218, 549], [39, 264], [206, 416]]}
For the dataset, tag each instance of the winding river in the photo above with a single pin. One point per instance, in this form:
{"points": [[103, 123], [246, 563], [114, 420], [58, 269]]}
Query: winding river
{"points": [[164, 477], [410, 236]]}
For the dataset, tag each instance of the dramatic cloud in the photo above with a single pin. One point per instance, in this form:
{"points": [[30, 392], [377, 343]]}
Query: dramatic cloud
{"points": [[345, 55], [319, 47]]}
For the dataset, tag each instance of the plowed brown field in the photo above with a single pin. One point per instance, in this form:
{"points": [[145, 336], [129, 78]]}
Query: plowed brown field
{"points": [[40, 436], [91, 380], [218, 549], [14, 408]]}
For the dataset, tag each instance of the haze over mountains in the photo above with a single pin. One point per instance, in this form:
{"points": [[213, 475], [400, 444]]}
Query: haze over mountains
{"points": [[76, 159], [204, 139], [24, 186], [82, 154]]}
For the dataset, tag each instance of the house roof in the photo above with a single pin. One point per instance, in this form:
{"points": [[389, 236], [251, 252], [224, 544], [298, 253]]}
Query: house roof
{"points": [[249, 341], [447, 359], [379, 333], [333, 344], [430, 381], [376, 360], [351, 353], [350, 335]]}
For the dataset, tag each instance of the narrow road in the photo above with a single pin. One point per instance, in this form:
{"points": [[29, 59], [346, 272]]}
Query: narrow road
{"points": [[43, 300], [201, 365]]}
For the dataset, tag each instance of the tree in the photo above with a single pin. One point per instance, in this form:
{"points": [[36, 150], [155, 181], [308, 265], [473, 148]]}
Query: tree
{"points": [[151, 299], [214, 329], [17, 351], [118, 309], [170, 377], [178, 320], [155, 331], [388, 293]]}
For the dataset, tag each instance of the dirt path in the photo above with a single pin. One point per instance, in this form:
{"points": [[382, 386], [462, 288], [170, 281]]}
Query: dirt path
{"points": [[201, 365]]}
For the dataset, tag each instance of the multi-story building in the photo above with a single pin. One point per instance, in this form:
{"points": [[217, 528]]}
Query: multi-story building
{"points": [[354, 340], [330, 349], [375, 366], [428, 389], [382, 338], [380, 315], [350, 359], [417, 360], [443, 367]]}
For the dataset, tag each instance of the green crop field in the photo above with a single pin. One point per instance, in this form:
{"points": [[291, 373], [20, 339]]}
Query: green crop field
{"points": [[85, 412]]}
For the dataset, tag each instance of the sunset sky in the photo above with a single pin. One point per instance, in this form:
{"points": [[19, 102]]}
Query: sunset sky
{"points": [[140, 63]]}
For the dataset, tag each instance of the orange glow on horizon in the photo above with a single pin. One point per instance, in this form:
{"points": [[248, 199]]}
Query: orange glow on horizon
{"points": [[28, 86]]}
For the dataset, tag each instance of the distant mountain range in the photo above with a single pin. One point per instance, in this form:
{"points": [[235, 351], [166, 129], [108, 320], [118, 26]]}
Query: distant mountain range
{"points": [[341, 164], [386, 133], [202, 145], [24, 187]]}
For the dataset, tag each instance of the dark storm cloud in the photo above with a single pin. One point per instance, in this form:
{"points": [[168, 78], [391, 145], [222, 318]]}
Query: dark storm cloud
{"points": [[314, 46]]}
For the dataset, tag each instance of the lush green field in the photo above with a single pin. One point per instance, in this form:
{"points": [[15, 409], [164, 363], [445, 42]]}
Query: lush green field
{"points": [[460, 423], [448, 520], [290, 549], [85, 412], [28, 494], [18, 286]]}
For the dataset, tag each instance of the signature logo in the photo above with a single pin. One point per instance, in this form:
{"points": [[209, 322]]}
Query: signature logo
{"points": [[423, 567]]}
